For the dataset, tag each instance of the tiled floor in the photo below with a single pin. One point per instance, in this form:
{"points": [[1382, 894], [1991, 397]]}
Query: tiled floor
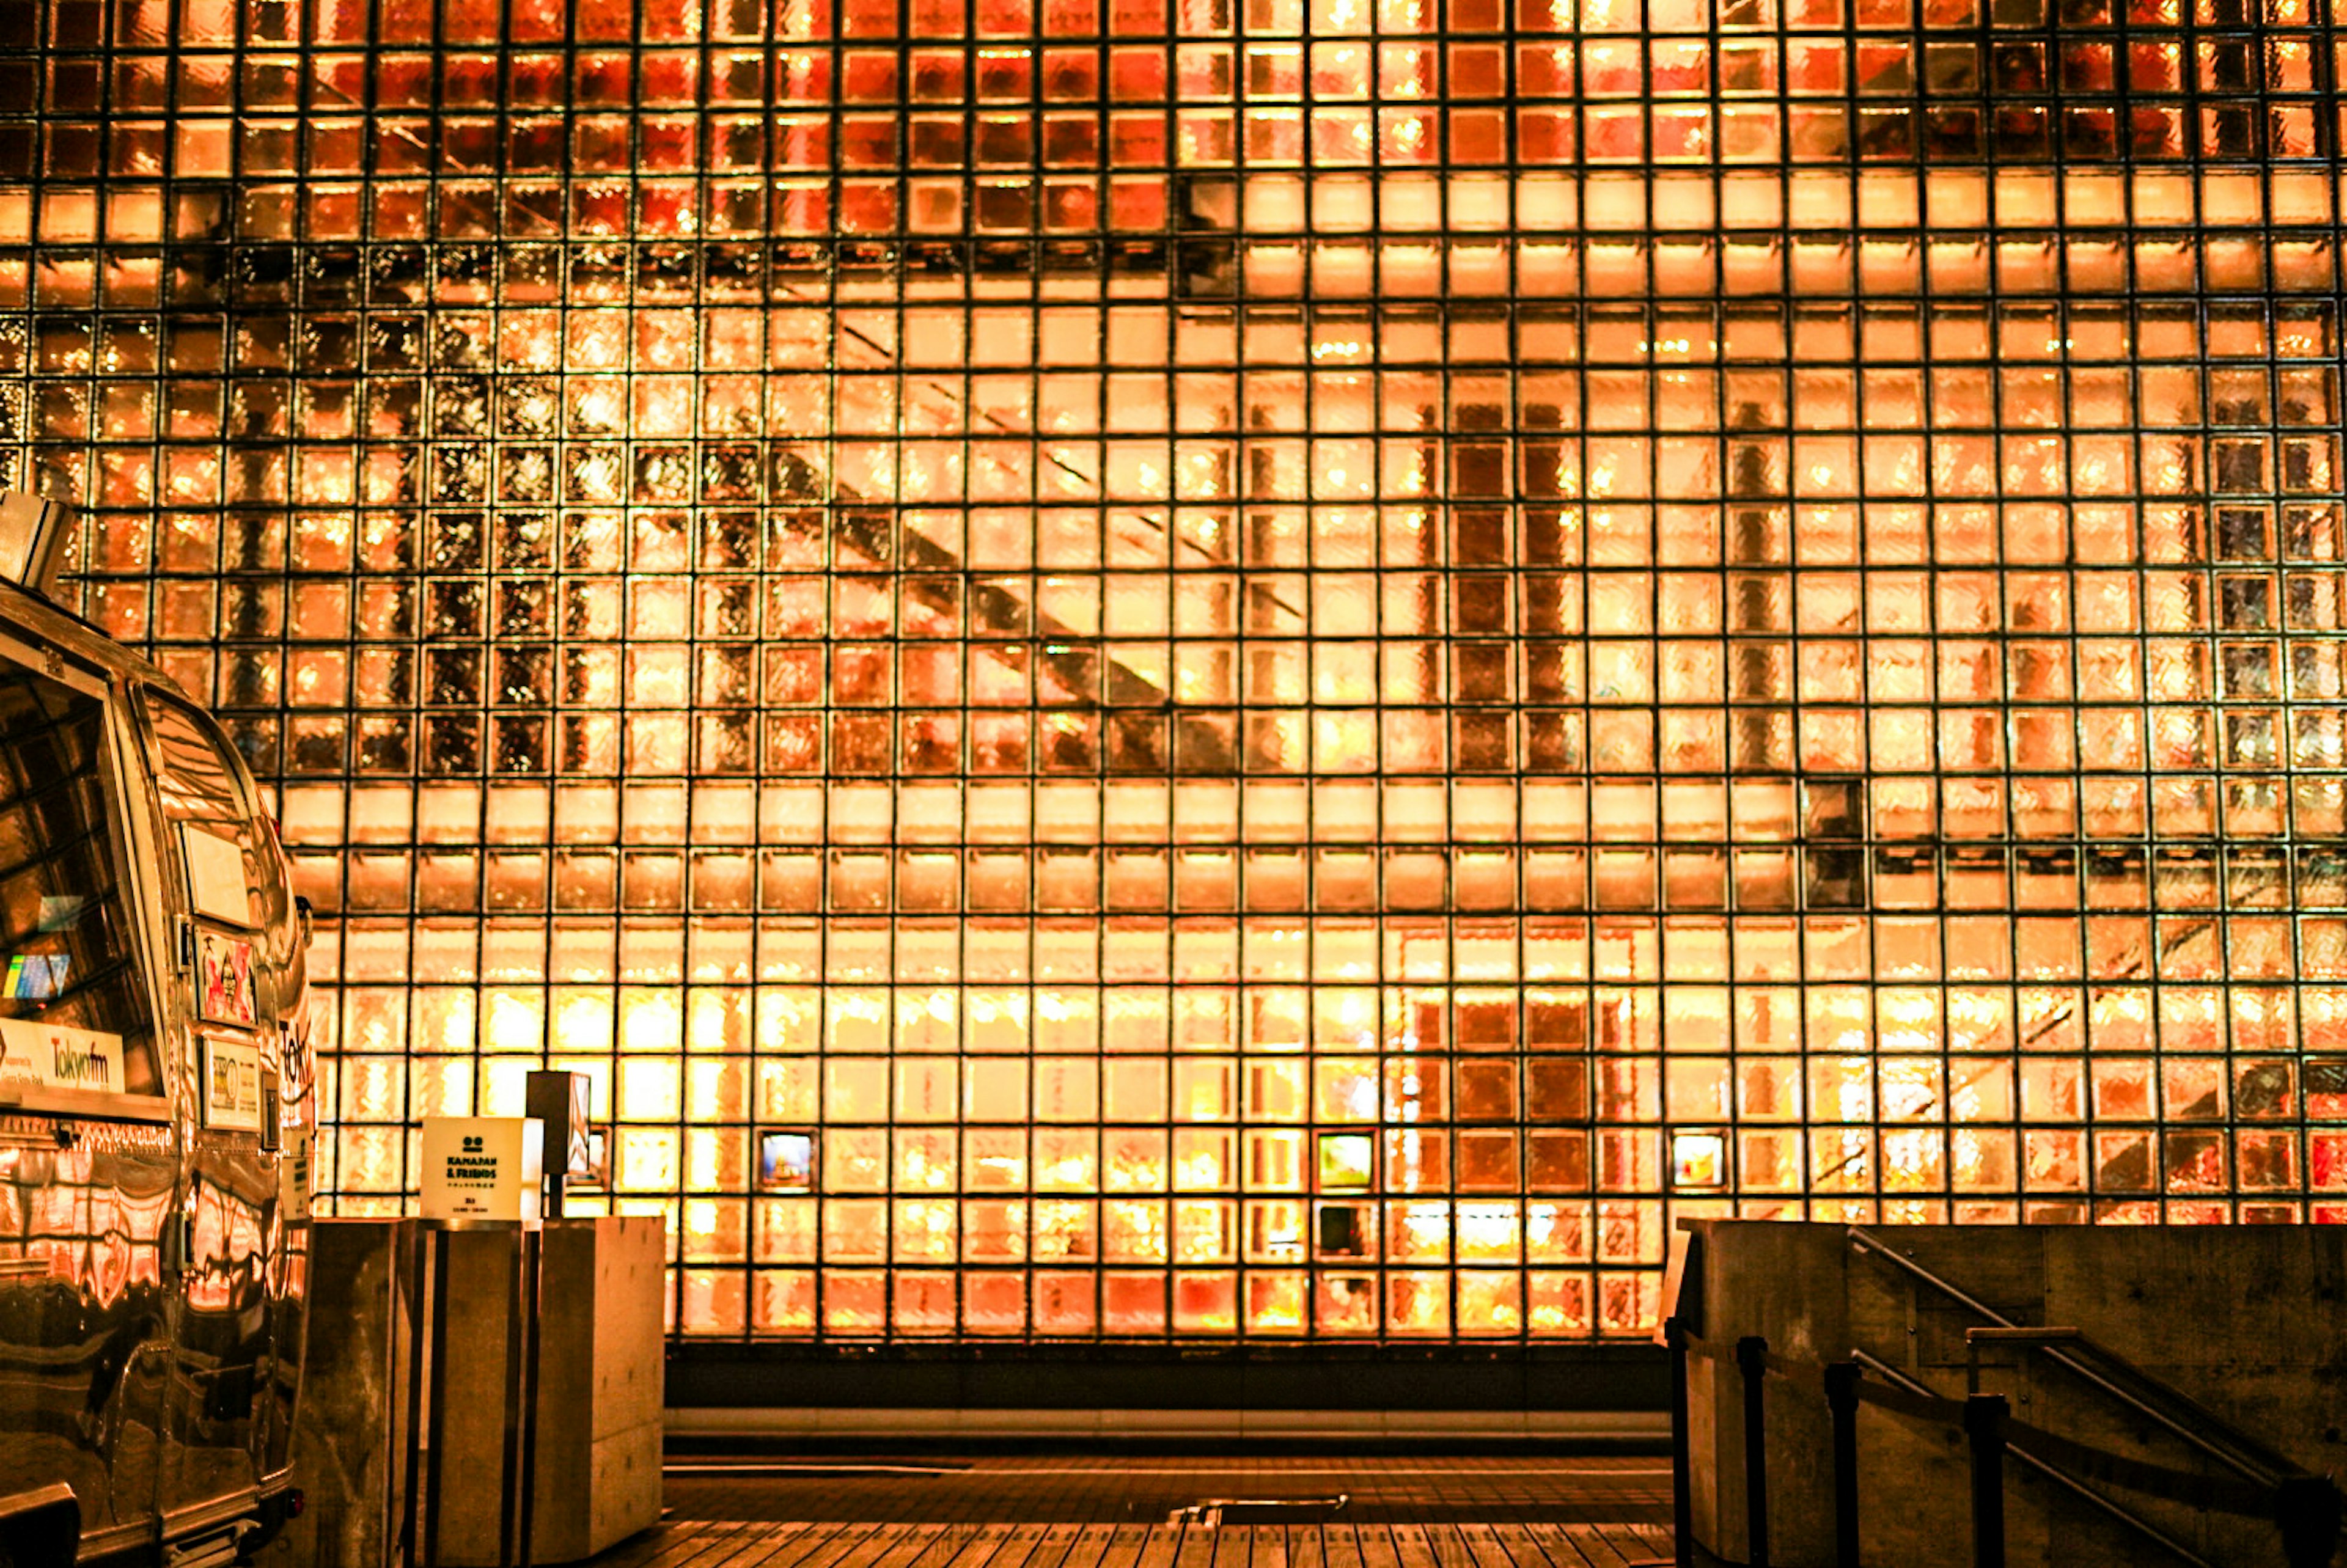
{"points": [[1084, 1512], [743, 1544]]}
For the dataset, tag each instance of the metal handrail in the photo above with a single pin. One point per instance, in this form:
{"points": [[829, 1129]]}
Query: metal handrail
{"points": [[2238, 1451], [2062, 1478], [2250, 1454], [2250, 1457]]}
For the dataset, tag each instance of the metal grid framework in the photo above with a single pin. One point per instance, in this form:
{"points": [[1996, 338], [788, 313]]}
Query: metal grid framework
{"points": [[1129, 671]]}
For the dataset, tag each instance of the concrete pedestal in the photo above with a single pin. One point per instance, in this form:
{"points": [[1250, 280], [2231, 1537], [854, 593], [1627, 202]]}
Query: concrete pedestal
{"points": [[600, 1390], [2250, 1322], [600, 1377], [351, 1440]]}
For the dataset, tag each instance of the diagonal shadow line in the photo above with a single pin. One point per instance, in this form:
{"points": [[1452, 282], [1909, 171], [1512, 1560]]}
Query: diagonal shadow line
{"points": [[1078, 662]]}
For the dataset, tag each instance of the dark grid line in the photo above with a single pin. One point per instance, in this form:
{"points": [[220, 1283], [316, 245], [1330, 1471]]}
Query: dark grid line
{"points": [[1156, 676]]}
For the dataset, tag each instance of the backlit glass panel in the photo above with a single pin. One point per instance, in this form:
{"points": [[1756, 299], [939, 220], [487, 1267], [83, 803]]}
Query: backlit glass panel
{"points": [[1143, 668]]}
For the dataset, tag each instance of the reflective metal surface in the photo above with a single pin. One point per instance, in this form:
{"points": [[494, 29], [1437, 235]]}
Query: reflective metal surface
{"points": [[152, 1274]]}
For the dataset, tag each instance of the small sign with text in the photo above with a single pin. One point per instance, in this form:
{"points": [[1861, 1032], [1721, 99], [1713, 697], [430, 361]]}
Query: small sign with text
{"points": [[482, 1168]]}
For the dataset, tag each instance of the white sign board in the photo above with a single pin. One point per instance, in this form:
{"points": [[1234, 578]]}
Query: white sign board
{"points": [[216, 876], [51, 1056], [482, 1168]]}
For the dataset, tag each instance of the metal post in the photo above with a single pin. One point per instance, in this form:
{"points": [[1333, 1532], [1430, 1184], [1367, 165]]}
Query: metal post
{"points": [[1842, 1398], [1985, 1417], [1752, 1361], [2308, 1509], [1682, 1481]]}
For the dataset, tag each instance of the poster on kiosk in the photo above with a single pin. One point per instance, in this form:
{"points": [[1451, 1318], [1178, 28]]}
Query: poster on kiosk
{"points": [[482, 1169]]}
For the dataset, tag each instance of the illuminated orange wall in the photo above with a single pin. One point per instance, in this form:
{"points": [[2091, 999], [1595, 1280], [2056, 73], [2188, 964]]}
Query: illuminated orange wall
{"points": [[1127, 673]]}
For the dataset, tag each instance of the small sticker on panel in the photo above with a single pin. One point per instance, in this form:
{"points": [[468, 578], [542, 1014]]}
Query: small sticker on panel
{"points": [[224, 979], [231, 1085]]}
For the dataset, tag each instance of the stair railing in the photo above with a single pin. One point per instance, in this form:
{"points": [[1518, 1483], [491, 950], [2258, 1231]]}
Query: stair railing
{"points": [[2180, 1414], [2306, 1508]]}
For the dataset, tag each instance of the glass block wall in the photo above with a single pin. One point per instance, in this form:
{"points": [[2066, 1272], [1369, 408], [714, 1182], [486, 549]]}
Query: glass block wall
{"points": [[1132, 669]]}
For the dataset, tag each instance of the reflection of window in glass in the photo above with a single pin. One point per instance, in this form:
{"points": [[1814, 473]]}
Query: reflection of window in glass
{"points": [[64, 922], [786, 1161], [1348, 1162]]}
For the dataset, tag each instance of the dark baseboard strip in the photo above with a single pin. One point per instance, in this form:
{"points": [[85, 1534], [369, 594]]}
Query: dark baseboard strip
{"points": [[1361, 1381]]}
